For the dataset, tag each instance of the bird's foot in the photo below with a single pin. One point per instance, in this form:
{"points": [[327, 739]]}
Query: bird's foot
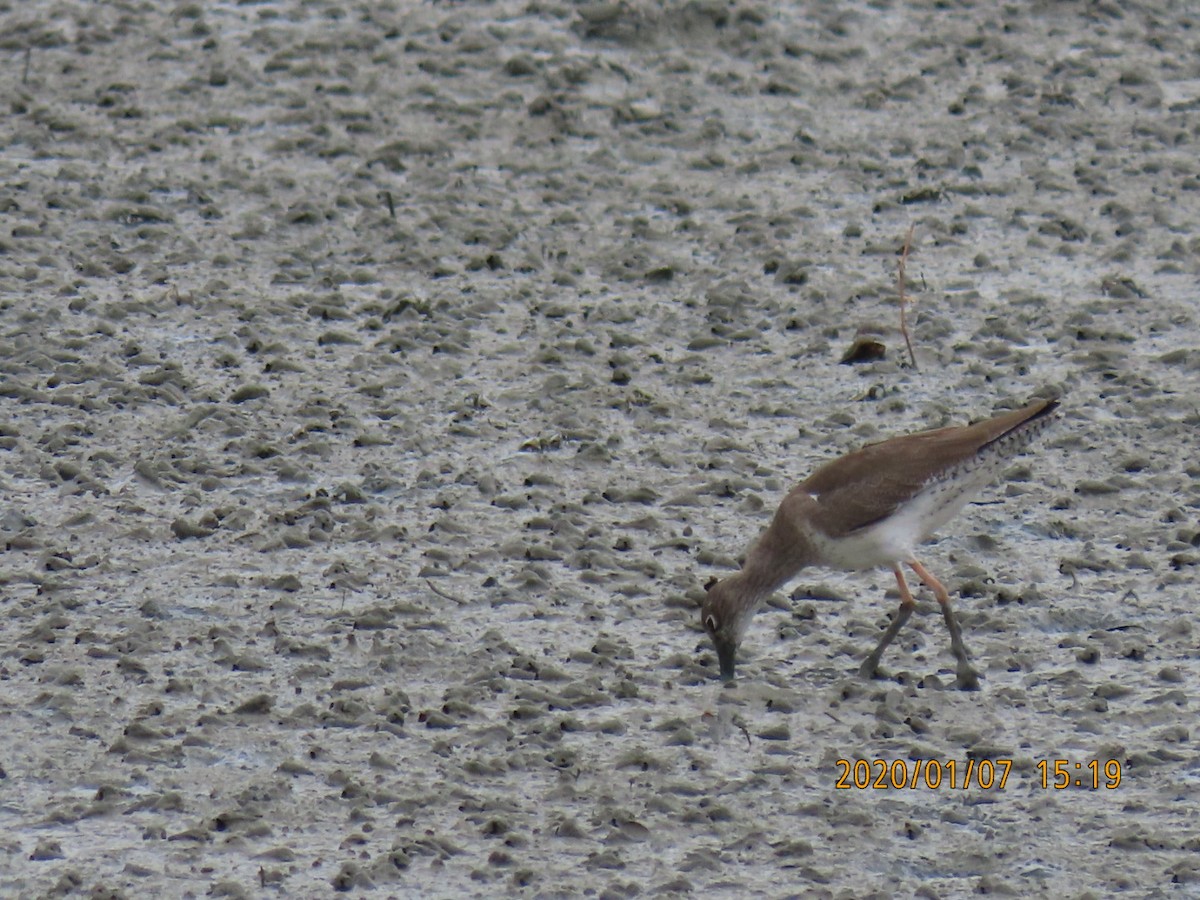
{"points": [[968, 678], [869, 669]]}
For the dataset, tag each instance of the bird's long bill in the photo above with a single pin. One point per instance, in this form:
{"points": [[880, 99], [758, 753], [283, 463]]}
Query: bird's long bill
{"points": [[726, 656]]}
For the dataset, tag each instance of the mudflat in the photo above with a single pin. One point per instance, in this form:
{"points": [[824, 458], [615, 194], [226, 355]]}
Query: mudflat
{"points": [[381, 382]]}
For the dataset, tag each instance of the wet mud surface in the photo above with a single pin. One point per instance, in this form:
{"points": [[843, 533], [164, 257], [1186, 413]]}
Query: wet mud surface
{"points": [[380, 383]]}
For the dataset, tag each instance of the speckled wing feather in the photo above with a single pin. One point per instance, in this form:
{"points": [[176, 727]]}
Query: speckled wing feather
{"points": [[857, 490]]}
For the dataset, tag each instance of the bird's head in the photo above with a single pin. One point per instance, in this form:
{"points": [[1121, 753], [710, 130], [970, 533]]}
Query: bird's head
{"points": [[725, 616]]}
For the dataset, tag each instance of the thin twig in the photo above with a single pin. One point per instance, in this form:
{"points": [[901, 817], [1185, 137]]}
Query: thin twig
{"points": [[904, 298], [443, 594]]}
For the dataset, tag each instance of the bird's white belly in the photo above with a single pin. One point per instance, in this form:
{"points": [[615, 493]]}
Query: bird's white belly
{"points": [[893, 539], [883, 544]]}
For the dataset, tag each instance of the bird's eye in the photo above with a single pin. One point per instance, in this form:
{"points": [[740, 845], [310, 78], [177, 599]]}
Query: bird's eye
{"points": [[710, 622]]}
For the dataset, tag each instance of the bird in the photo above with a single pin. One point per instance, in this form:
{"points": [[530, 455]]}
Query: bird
{"points": [[868, 509]]}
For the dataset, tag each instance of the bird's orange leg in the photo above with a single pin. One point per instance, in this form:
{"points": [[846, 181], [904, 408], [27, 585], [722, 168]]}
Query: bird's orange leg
{"points": [[907, 605], [968, 678]]}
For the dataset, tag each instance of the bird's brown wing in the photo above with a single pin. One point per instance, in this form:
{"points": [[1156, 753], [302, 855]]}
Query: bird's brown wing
{"points": [[863, 487]]}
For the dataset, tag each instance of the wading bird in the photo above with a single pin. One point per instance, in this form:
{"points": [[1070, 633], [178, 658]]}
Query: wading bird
{"points": [[872, 508]]}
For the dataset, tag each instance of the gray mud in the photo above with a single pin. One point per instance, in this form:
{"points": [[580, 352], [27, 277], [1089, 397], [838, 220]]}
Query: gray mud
{"points": [[379, 384]]}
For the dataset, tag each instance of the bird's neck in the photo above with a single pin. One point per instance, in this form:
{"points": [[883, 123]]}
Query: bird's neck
{"points": [[773, 561]]}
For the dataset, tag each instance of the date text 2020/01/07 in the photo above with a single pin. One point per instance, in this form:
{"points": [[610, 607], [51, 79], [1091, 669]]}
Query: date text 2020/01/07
{"points": [[987, 774]]}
